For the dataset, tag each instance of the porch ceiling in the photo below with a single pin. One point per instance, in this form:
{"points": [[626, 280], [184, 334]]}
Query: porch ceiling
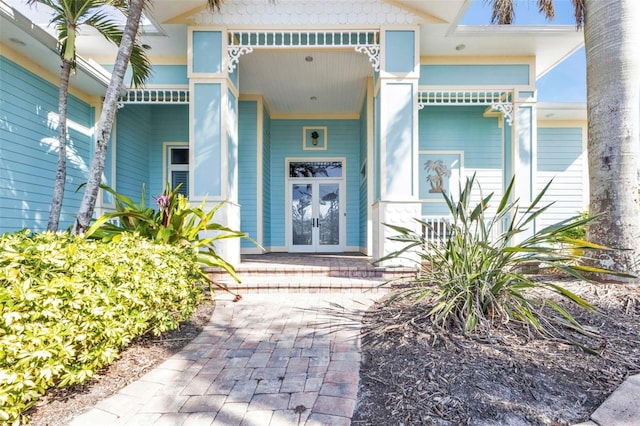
{"points": [[332, 83]]}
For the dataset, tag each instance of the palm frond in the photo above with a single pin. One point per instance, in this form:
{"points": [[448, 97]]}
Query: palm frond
{"points": [[140, 65]]}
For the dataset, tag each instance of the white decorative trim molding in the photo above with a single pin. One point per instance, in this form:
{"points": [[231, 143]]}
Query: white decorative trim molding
{"points": [[373, 52], [154, 96], [498, 100], [242, 42]]}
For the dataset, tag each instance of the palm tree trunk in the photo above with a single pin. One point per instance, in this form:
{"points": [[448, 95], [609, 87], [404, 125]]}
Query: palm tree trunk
{"points": [[612, 37], [61, 171], [107, 117]]}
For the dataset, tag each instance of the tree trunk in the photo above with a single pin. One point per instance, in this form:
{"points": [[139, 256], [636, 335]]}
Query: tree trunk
{"points": [[61, 171], [107, 117], [612, 37]]}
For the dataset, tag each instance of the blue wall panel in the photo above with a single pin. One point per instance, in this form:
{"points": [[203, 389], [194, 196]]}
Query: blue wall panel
{"points": [[247, 168], [169, 74], [160, 74], [207, 52], [28, 149], [400, 51], [208, 140], [286, 141], [460, 75]]}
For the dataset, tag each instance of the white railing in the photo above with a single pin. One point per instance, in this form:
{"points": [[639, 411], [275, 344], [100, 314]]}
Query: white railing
{"points": [[154, 96], [498, 100], [242, 42], [436, 232]]}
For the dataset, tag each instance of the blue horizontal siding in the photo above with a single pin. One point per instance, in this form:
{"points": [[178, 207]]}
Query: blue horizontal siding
{"points": [[286, 141], [28, 149], [247, 168], [363, 205], [133, 132], [170, 123]]}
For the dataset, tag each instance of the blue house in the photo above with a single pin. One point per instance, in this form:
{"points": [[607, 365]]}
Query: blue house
{"points": [[317, 122]]}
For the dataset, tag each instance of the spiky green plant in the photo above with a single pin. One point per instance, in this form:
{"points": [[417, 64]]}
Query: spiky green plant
{"points": [[174, 222], [475, 276]]}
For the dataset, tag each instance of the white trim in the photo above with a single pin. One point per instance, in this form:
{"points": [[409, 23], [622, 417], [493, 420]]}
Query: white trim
{"points": [[259, 172], [166, 147], [224, 142], [101, 206], [370, 164], [499, 100]]}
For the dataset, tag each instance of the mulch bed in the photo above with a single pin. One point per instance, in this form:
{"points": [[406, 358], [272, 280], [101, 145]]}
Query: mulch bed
{"points": [[415, 373]]}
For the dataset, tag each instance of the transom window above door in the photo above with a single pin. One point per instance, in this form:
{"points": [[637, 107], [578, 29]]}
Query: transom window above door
{"points": [[315, 169]]}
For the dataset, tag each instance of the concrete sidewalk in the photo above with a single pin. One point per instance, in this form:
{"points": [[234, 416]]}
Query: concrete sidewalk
{"points": [[270, 359]]}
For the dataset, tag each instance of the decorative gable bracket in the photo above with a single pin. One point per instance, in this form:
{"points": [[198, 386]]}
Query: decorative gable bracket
{"points": [[363, 41]]}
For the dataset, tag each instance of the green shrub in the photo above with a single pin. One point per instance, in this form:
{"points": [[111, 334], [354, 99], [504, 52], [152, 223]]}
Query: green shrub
{"points": [[175, 222], [67, 305], [476, 277], [578, 232]]}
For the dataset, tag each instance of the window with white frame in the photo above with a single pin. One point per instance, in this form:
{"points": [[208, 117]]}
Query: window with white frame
{"points": [[178, 167]]}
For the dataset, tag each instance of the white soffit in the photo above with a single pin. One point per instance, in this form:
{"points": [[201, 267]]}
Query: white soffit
{"points": [[18, 33]]}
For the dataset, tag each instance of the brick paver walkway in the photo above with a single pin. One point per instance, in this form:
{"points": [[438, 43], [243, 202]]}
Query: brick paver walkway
{"points": [[270, 359]]}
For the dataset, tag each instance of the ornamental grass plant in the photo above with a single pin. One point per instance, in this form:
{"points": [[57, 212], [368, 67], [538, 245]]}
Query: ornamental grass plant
{"points": [[476, 275]]}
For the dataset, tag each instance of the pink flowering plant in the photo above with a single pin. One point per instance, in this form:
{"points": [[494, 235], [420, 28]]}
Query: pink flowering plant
{"points": [[174, 222]]}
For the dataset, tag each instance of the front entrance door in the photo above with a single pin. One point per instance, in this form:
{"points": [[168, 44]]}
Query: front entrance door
{"points": [[315, 217]]}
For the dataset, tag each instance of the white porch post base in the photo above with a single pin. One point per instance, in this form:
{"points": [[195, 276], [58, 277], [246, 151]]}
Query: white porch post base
{"points": [[395, 213], [228, 215]]}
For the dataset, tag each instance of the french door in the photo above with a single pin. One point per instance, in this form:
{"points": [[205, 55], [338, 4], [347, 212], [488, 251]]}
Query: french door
{"points": [[315, 216]]}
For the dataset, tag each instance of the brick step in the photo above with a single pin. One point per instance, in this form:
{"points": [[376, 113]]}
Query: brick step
{"points": [[311, 280], [285, 272]]}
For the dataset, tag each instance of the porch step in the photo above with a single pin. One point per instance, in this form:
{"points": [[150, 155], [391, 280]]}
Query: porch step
{"points": [[294, 273]]}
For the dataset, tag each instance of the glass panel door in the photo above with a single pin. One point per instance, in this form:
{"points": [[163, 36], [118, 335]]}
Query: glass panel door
{"points": [[315, 217], [329, 214], [302, 220]]}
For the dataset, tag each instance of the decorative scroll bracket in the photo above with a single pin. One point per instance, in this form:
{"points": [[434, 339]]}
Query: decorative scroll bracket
{"points": [[373, 52], [506, 108], [234, 55]]}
